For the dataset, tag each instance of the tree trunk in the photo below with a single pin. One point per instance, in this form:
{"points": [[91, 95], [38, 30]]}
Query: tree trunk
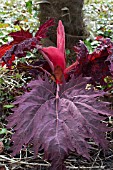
{"points": [[70, 12]]}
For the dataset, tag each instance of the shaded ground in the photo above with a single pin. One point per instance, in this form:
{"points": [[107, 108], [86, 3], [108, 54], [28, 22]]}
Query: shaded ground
{"points": [[98, 161]]}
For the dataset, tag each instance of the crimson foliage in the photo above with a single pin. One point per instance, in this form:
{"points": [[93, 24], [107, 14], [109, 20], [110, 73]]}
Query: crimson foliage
{"points": [[59, 124], [97, 65], [23, 41]]}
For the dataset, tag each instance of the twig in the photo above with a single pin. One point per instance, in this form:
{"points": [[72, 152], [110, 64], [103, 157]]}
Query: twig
{"points": [[84, 167], [95, 159], [4, 158]]}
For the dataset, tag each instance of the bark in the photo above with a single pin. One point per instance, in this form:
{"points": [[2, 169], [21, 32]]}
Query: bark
{"points": [[70, 12]]}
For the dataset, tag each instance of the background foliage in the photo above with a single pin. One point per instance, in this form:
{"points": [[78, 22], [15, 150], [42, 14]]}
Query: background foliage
{"points": [[98, 17]]}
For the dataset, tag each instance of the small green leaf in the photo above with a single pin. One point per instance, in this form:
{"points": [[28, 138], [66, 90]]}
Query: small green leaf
{"points": [[29, 6], [3, 131], [67, 52], [8, 106], [18, 76]]}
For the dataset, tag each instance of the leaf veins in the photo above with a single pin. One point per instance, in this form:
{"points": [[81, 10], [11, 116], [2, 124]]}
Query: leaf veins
{"points": [[59, 126]]}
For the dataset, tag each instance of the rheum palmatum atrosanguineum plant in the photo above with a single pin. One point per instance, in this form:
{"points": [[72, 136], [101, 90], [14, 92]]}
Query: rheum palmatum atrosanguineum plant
{"points": [[59, 114]]}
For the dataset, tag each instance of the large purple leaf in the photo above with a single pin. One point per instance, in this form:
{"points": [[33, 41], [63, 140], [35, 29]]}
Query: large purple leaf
{"points": [[59, 125]]}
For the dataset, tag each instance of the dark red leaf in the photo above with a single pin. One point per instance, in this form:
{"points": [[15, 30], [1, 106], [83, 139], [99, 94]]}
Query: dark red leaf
{"points": [[61, 37], [41, 33], [20, 49], [59, 125], [3, 50], [56, 56], [97, 65], [20, 36], [23, 41]]}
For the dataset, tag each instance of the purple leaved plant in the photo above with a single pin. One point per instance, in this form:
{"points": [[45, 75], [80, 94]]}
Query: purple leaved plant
{"points": [[59, 123], [23, 41], [59, 114], [97, 65]]}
